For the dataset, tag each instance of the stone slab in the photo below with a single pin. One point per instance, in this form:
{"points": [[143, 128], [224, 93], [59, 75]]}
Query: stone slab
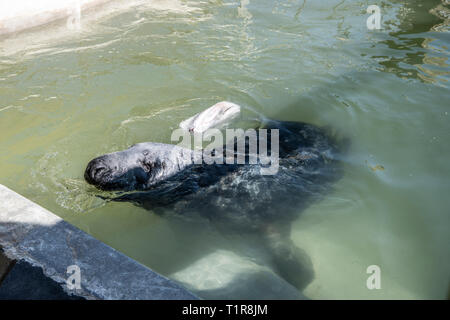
{"points": [[33, 234]]}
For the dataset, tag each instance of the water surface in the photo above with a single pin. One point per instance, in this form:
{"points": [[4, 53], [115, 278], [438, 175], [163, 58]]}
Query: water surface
{"points": [[134, 72]]}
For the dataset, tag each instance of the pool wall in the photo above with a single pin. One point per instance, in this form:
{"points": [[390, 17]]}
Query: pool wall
{"points": [[33, 235], [22, 14]]}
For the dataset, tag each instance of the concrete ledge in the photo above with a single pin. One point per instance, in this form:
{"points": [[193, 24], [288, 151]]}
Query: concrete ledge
{"points": [[32, 234], [25, 282], [24, 14]]}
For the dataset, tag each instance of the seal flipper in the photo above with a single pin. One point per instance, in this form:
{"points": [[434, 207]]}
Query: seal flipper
{"points": [[290, 262], [218, 114]]}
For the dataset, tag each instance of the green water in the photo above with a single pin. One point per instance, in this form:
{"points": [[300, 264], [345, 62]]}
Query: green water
{"points": [[133, 73]]}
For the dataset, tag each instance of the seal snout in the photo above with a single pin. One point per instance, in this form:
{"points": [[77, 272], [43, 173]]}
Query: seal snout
{"points": [[96, 171]]}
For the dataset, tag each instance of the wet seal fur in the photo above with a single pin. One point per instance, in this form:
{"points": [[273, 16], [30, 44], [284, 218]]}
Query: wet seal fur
{"points": [[235, 198]]}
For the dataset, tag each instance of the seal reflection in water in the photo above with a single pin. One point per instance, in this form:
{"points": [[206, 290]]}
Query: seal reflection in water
{"points": [[165, 178]]}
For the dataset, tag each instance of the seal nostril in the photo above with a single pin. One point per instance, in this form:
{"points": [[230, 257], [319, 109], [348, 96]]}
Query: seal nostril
{"points": [[98, 170]]}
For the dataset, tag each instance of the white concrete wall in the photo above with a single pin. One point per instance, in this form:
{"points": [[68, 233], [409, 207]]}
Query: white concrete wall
{"points": [[18, 15]]}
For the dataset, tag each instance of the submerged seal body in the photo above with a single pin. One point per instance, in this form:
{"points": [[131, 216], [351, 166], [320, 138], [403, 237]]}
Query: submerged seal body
{"points": [[235, 197]]}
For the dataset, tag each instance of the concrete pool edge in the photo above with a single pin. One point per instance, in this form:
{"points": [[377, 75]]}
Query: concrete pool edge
{"points": [[24, 15], [38, 237]]}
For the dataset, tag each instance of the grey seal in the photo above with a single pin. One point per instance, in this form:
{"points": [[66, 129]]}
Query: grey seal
{"points": [[234, 197]]}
